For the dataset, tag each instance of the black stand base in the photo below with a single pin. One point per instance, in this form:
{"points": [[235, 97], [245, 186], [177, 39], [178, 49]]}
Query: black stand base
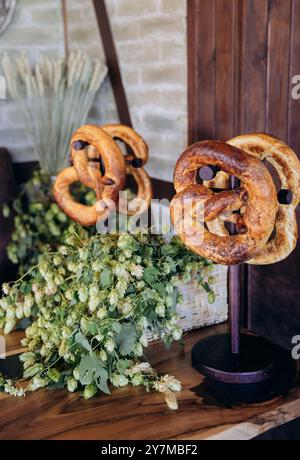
{"points": [[256, 361], [217, 393]]}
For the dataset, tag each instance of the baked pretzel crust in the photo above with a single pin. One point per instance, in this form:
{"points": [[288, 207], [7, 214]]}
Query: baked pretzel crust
{"points": [[112, 159], [287, 165], [84, 215], [140, 150], [89, 173], [256, 197]]}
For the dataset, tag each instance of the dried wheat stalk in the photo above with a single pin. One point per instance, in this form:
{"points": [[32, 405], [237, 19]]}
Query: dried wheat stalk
{"points": [[55, 98]]}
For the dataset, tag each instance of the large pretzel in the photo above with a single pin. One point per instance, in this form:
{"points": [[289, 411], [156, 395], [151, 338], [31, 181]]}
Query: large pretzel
{"points": [[256, 200], [134, 163], [88, 143], [287, 165]]}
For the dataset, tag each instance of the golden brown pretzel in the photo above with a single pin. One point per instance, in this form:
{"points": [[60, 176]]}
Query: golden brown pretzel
{"points": [[287, 165], [134, 165], [111, 158], [256, 200], [84, 215], [106, 188]]}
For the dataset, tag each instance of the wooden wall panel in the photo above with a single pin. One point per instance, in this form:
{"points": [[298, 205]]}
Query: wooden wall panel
{"points": [[278, 77], [294, 105], [252, 58], [253, 65], [225, 68], [202, 45]]}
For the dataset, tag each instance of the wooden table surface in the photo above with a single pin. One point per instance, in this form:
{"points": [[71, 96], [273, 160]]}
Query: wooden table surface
{"points": [[131, 413]]}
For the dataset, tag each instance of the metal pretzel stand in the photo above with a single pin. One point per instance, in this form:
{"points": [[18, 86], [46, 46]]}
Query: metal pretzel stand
{"points": [[235, 358]]}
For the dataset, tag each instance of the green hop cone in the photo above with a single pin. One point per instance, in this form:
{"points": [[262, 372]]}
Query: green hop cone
{"points": [[72, 384], [32, 371], [119, 380], [90, 391], [53, 375], [6, 211]]}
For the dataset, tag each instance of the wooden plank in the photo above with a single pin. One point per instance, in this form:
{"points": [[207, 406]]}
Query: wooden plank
{"points": [[192, 41], [274, 299], [112, 62], [225, 68], [201, 68], [13, 343], [238, 57], [278, 85], [254, 65], [294, 105], [132, 413], [261, 424]]}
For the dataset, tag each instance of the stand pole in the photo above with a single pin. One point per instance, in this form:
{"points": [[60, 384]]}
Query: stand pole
{"points": [[234, 307], [234, 293]]}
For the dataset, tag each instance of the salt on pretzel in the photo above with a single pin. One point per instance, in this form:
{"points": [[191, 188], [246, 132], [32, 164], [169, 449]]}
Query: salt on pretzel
{"points": [[106, 187], [287, 165], [256, 200], [134, 167]]}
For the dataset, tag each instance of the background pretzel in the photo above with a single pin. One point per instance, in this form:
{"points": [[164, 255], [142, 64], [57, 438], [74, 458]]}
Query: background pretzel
{"points": [[134, 163], [106, 186], [287, 165], [256, 200], [84, 215], [90, 142]]}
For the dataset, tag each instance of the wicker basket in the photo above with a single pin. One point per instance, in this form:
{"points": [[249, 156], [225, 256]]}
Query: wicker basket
{"points": [[195, 310]]}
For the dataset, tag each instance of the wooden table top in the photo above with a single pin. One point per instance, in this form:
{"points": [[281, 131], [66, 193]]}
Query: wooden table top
{"points": [[131, 413]]}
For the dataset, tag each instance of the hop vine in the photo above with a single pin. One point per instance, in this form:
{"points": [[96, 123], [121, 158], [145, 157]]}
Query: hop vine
{"points": [[91, 304]]}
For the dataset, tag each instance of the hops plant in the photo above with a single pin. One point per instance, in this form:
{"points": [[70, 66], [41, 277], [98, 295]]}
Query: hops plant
{"points": [[91, 303]]}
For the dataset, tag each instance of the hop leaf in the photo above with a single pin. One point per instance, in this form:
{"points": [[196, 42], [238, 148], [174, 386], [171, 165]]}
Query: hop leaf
{"points": [[150, 275], [92, 370], [126, 339], [105, 277], [80, 339]]}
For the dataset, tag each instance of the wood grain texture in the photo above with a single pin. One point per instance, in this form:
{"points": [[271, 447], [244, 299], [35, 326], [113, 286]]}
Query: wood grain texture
{"points": [[131, 413], [201, 59], [278, 62], [254, 65], [13, 343], [294, 105], [112, 62], [225, 68]]}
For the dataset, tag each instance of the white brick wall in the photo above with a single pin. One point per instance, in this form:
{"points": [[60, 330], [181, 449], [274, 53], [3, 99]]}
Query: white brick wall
{"points": [[150, 37], [36, 27]]}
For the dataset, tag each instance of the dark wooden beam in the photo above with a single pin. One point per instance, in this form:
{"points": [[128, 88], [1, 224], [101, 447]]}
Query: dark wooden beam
{"points": [[112, 62]]}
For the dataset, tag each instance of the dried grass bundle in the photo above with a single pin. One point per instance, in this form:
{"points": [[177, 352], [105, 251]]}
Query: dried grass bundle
{"points": [[55, 97]]}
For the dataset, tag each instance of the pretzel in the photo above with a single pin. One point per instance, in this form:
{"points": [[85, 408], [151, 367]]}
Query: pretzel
{"points": [[287, 165], [134, 163], [84, 215], [90, 142], [256, 200]]}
